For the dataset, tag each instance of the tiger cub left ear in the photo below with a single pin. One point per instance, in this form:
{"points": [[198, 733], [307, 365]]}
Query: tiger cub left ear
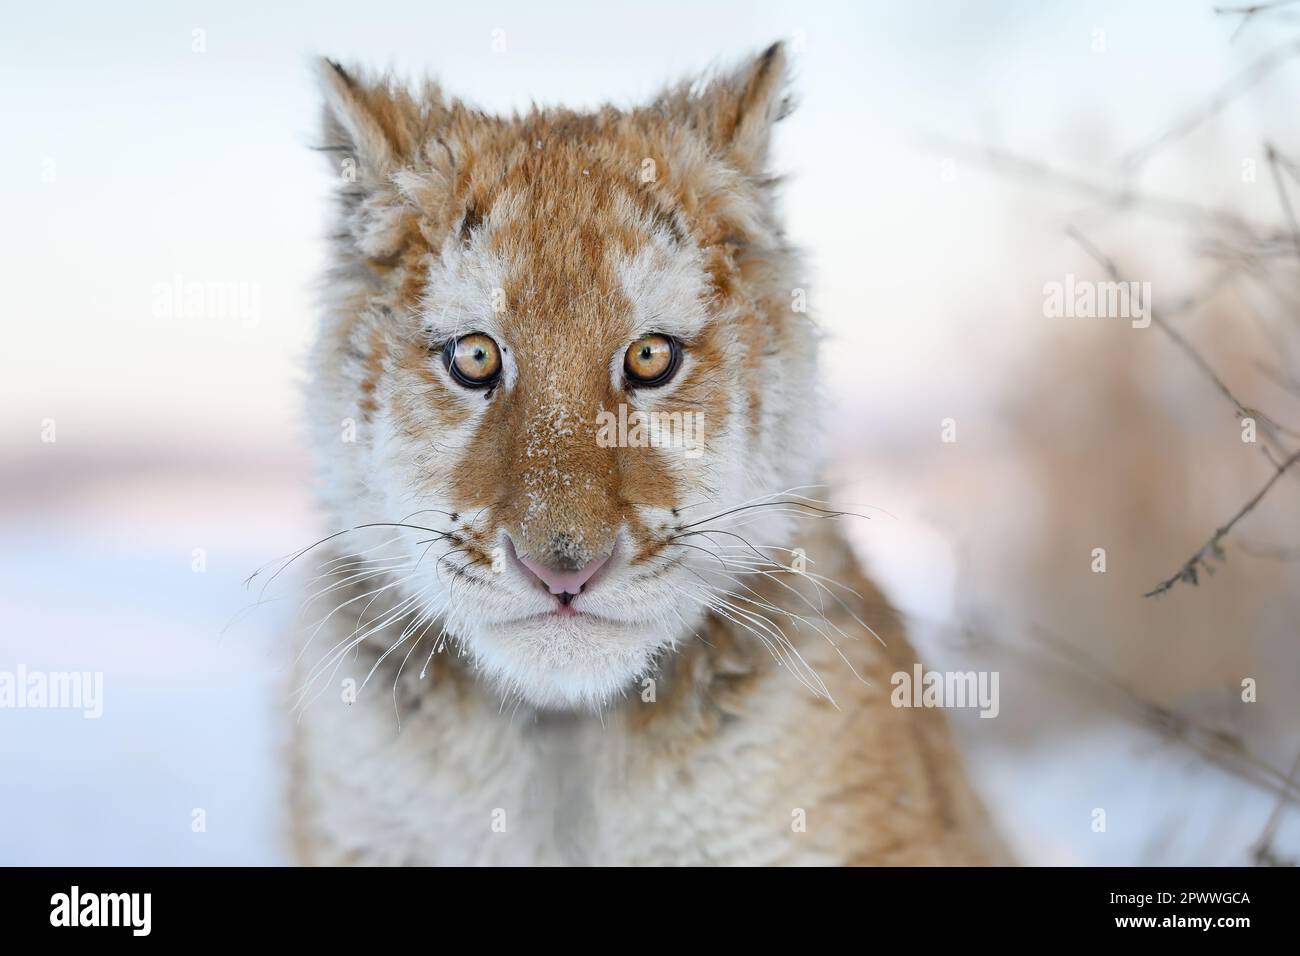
{"points": [[736, 112]]}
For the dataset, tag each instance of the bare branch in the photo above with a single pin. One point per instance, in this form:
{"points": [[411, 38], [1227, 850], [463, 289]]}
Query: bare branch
{"points": [[1190, 571], [1271, 427], [1248, 13], [1283, 198], [1264, 853], [1234, 88], [1220, 747], [1012, 164], [1224, 749]]}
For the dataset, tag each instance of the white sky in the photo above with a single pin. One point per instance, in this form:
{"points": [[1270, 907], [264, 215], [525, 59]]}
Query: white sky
{"points": [[170, 163]]}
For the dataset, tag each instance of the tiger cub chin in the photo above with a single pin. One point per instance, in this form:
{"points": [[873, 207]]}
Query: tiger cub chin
{"points": [[584, 609]]}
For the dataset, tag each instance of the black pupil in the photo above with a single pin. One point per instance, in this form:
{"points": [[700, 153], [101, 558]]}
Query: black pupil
{"points": [[479, 354], [645, 351]]}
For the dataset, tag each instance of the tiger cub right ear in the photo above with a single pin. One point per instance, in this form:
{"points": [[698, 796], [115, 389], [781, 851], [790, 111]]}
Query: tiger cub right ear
{"points": [[377, 137], [375, 124]]}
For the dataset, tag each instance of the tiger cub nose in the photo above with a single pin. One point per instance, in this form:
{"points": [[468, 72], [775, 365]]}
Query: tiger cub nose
{"points": [[562, 582]]}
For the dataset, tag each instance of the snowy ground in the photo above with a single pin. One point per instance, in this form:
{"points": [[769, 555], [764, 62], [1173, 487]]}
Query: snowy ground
{"points": [[189, 718], [194, 719]]}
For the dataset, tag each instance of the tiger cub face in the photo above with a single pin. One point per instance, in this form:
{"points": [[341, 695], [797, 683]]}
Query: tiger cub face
{"points": [[561, 349]]}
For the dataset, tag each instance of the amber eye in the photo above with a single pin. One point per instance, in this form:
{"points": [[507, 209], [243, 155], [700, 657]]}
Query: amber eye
{"points": [[651, 360], [474, 360]]}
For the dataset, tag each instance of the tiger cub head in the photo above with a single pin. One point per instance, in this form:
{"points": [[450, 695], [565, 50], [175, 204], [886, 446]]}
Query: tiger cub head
{"points": [[563, 361]]}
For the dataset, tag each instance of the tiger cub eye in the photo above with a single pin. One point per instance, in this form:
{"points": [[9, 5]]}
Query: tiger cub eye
{"points": [[473, 360], [651, 360]]}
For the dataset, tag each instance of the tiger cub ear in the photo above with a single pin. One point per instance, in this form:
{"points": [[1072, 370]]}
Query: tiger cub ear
{"points": [[736, 112], [373, 134], [375, 124]]}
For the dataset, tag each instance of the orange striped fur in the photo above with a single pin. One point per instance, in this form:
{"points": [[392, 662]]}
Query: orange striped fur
{"points": [[687, 678]]}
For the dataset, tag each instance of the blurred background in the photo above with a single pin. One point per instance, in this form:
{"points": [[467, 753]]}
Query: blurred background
{"points": [[152, 451]]}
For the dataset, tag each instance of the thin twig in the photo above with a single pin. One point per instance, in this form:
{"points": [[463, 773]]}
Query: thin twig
{"points": [[1012, 164], [1271, 426], [1264, 853], [1248, 13], [1191, 569], [1283, 197], [1213, 548], [1225, 750], [1234, 88]]}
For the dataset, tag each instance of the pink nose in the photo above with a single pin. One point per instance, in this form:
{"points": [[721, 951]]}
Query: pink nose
{"points": [[564, 582]]}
